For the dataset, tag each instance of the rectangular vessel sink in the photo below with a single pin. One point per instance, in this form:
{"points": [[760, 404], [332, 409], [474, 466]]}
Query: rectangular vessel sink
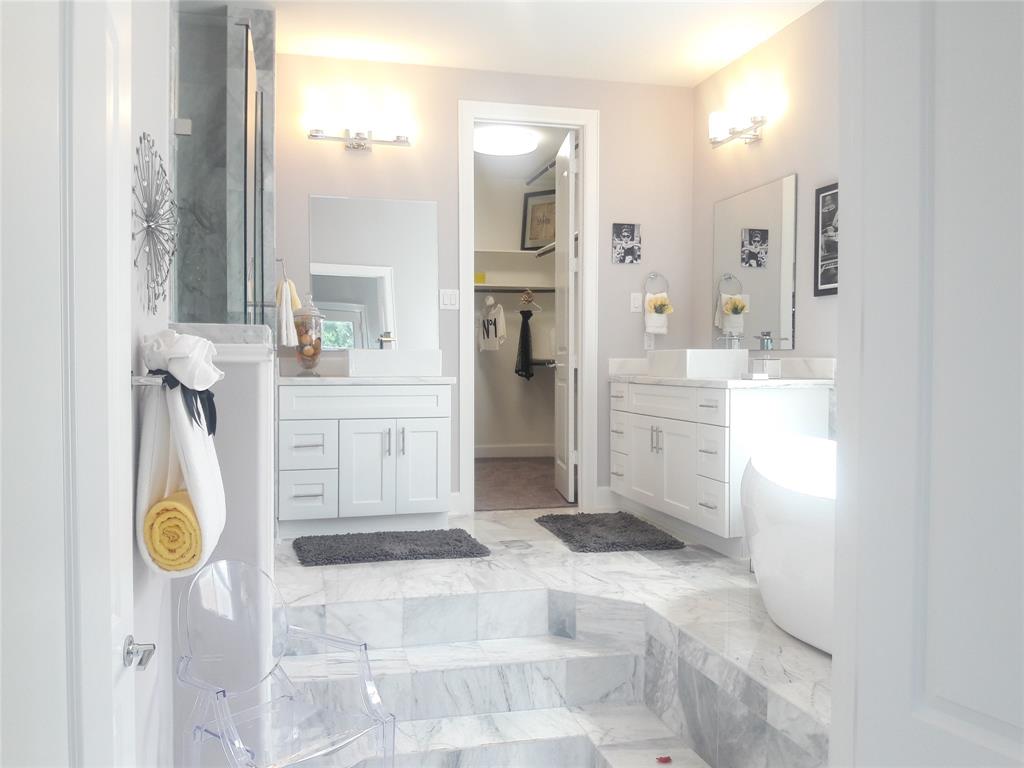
{"points": [[390, 362], [697, 363]]}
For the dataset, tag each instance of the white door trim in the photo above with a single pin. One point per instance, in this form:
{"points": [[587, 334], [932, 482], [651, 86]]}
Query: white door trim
{"points": [[586, 121]]}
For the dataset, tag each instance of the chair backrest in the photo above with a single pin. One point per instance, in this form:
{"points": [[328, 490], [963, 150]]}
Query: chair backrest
{"points": [[234, 626]]}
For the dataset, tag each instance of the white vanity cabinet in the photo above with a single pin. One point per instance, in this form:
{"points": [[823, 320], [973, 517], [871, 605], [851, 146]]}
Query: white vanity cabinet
{"points": [[355, 457], [682, 449]]}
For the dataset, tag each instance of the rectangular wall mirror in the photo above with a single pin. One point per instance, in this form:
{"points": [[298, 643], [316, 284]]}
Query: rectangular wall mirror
{"points": [[755, 259], [373, 268]]}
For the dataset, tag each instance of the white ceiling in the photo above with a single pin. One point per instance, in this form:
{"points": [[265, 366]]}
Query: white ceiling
{"points": [[522, 167], [668, 43]]}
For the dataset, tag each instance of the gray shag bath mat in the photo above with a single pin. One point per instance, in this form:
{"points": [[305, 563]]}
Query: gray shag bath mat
{"points": [[611, 532], [387, 545]]}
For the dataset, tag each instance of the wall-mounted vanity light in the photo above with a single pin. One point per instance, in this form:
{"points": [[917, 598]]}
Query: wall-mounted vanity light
{"points": [[359, 140], [724, 127]]}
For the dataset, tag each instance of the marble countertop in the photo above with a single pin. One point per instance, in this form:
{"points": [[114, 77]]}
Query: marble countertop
{"points": [[334, 381], [720, 383]]}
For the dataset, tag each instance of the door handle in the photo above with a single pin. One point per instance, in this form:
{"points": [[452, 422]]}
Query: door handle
{"points": [[389, 442], [401, 441], [133, 652]]}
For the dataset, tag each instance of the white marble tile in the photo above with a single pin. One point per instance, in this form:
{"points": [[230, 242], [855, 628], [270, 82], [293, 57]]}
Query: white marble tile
{"points": [[512, 614], [442, 619], [644, 754], [378, 623], [301, 586], [486, 689], [620, 723], [561, 613], [604, 680], [617, 623]]}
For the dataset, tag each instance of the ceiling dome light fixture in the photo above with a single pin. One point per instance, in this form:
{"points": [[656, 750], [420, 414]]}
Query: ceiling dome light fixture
{"points": [[504, 140]]}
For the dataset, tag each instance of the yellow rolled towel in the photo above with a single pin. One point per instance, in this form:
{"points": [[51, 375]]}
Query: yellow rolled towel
{"points": [[172, 534]]}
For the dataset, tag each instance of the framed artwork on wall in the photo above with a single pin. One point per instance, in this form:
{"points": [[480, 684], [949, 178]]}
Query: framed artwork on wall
{"points": [[538, 220], [826, 240], [625, 243]]}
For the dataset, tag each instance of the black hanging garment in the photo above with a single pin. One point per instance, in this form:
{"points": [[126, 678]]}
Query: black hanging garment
{"points": [[524, 360]]}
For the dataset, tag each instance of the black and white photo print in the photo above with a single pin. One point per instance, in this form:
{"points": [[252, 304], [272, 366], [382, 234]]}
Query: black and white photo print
{"points": [[625, 243], [826, 241], [753, 248]]}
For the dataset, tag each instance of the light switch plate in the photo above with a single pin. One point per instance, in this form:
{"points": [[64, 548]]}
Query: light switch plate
{"points": [[448, 298], [636, 302]]}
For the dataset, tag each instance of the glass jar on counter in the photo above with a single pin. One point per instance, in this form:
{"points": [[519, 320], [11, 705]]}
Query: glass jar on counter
{"points": [[309, 324]]}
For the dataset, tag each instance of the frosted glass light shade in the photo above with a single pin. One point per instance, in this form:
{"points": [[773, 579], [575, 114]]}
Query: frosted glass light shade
{"points": [[504, 140]]}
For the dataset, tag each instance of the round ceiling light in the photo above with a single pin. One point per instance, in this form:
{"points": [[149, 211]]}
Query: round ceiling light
{"points": [[504, 140]]}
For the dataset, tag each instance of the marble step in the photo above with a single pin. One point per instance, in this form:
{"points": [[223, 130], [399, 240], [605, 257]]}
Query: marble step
{"points": [[480, 677], [600, 736]]}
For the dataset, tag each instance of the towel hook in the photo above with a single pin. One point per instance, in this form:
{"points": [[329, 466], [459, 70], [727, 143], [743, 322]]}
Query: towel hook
{"points": [[726, 277], [654, 277]]}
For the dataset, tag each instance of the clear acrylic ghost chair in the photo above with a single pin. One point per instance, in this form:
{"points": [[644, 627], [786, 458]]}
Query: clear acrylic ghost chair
{"points": [[234, 632]]}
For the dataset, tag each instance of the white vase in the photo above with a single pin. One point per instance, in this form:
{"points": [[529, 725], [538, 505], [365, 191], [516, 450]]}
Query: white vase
{"points": [[656, 323]]}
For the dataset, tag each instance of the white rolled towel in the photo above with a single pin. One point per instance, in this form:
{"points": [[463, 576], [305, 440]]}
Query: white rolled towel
{"points": [[653, 322], [176, 453]]}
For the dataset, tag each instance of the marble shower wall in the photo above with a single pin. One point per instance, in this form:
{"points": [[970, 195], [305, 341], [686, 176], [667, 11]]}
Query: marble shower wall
{"points": [[209, 164]]}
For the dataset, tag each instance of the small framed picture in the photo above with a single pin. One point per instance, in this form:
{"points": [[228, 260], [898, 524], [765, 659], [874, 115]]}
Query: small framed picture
{"points": [[754, 248], [625, 243], [538, 220], [826, 240]]}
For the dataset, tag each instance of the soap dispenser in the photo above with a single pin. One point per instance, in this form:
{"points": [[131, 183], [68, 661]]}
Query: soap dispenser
{"points": [[764, 366]]}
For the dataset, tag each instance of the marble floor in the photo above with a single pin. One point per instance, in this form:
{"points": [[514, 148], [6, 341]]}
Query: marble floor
{"points": [[532, 630]]}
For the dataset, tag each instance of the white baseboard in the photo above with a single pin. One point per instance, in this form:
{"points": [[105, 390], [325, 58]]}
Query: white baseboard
{"points": [[515, 451], [290, 529]]}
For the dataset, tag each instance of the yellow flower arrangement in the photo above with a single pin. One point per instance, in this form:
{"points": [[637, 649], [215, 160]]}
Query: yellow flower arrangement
{"points": [[658, 304], [734, 305]]}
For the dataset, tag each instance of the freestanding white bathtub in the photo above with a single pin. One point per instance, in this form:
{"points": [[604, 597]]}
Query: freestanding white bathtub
{"points": [[788, 497]]}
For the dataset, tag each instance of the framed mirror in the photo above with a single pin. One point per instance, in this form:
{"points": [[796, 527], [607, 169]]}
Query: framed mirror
{"points": [[357, 302], [754, 271]]}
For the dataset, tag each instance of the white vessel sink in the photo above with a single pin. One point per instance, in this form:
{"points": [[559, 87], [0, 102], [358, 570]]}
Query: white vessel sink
{"points": [[697, 363], [389, 362]]}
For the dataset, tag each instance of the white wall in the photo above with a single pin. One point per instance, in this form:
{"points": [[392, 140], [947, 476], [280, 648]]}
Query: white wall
{"points": [[645, 152], [154, 613], [802, 60]]}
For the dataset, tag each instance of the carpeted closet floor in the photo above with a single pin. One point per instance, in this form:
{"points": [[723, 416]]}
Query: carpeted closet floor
{"points": [[527, 483]]}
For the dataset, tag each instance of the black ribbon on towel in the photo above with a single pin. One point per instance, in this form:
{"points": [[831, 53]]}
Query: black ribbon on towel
{"points": [[195, 401]]}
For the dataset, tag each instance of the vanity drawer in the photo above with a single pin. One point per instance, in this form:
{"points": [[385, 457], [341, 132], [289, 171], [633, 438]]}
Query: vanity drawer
{"points": [[662, 400], [618, 432], [618, 395], [307, 445], [713, 452], [307, 494], [713, 406], [356, 401], [711, 511], [619, 468]]}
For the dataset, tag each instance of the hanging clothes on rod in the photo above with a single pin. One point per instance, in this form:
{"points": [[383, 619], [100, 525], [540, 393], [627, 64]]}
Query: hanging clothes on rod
{"points": [[490, 326], [524, 360]]}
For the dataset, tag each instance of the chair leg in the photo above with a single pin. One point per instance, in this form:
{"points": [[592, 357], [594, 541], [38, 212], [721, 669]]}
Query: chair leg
{"points": [[388, 753], [193, 747]]}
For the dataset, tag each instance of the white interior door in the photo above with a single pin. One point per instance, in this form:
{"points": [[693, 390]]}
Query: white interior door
{"points": [[366, 477], [565, 318], [930, 539]]}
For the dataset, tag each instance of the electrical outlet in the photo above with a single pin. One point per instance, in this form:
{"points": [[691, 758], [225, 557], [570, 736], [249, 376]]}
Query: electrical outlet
{"points": [[448, 298], [636, 302]]}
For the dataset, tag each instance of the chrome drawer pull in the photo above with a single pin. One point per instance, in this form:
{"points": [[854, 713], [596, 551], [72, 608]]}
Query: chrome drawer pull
{"points": [[618, 432], [308, 496], [706, 506], [617, 397], [708, 453], [707, 405], [308, 445], [618, 474]]}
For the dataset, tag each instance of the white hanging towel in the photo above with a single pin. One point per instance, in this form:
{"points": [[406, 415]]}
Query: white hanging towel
{"points": [[721, 322], [653, 322], [491, 326], [180, 507], [287, 302]]}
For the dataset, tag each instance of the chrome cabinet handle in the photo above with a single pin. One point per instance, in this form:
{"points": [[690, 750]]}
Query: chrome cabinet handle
{"points": [[389, 442], [618, 432], [706, 506], [617, 397], [401, 441], [618, 474], [707, 405], [308, 495], [707, 452], [661, 440], [309, 445], [652, 438]]}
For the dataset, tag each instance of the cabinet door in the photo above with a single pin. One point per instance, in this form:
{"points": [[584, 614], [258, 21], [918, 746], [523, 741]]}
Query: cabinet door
{"points": [[366, 467], [424, 465], [644, 475], [676, 445]]}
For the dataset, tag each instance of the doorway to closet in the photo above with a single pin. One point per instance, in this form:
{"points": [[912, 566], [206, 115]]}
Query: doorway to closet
{"points": [[525, 242]]}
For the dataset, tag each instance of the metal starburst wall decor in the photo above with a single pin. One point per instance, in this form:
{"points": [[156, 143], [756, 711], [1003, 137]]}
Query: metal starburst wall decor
{"points": [[154, 221]]}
